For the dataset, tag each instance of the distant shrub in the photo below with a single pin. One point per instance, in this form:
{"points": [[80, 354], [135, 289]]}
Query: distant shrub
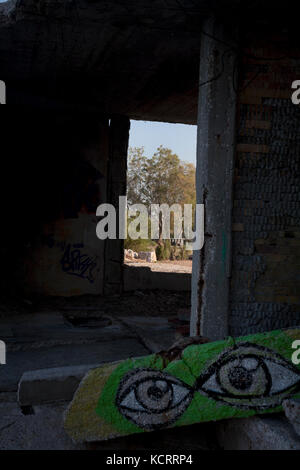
{"points": [[159, 252], [167, 249], [139, 244], [164, 251]]}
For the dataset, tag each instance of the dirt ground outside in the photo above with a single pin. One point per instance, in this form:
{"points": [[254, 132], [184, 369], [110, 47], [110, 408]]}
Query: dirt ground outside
{"points": [[176, 266]]}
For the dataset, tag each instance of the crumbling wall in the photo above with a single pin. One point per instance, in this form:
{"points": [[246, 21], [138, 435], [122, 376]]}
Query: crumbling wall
{"points": [[265, 283]]}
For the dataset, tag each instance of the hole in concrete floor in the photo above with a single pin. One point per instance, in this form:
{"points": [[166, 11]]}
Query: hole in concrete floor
{"points": [[88, 321], [27, 410]]}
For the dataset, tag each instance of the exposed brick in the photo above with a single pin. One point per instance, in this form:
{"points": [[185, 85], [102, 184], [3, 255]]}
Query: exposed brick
{"points": [[258, 124], [265, 285], [238, 227], [252, 148]]}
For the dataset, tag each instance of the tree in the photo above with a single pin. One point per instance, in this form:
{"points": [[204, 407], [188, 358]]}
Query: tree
{"points": [[163, 178], [136, 172], [160, 179]]}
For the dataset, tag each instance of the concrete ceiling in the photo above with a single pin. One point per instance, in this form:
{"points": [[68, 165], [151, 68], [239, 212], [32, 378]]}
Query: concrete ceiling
{"points": [[133, 57]]}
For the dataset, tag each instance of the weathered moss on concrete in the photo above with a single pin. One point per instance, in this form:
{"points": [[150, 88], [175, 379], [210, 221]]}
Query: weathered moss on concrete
{"points": [[81, 421], [234, 378]]}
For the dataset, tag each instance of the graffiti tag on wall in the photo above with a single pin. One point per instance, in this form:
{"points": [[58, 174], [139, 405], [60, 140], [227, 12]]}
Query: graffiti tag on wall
{"points": [[78, 263], [74, 261]]}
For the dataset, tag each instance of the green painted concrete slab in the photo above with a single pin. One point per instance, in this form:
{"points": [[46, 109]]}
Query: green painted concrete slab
{"points": [[234, 378]]}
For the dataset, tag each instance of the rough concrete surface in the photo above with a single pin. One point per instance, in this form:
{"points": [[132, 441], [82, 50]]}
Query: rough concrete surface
{"points": [[257, 433], [292, 411], [155, 333], [42, 430], [78, 336], [143, 58], [214, 180], [81, 354]]}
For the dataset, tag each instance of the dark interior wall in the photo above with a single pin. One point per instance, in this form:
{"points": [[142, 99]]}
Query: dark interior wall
{"points": [[53, 178], [265, 287]]}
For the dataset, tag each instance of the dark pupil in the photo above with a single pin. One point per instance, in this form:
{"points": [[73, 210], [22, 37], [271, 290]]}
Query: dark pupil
{"points": [[240, 378], [155, 393]]}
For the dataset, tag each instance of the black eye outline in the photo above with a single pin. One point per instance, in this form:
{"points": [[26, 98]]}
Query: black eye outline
{"points": [[267, 355], [149, 417]]}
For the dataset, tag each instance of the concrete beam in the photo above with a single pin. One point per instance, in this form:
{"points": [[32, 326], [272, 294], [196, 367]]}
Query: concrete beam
{"points": [[214, 180], [37, 387]]}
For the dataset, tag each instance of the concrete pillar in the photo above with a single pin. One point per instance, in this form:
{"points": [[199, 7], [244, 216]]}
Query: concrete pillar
{"points": [[214, 180], [116, 186]]}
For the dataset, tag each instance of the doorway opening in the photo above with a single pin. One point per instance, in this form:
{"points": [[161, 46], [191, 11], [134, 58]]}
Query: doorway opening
{"points": [[161, 169]]}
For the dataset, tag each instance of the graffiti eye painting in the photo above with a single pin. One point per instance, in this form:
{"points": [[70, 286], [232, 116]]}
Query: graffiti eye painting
{"points": [[246, 376], [152, 399], [250, 376], [207, 382]]}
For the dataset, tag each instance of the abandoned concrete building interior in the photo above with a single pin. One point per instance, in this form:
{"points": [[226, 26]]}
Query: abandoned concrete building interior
{"points": [[76, 324]]}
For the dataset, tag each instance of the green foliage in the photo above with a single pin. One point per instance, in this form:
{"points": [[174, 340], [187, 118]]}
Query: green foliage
{"points": [[168, 249], [161, 179], [140, 244]]}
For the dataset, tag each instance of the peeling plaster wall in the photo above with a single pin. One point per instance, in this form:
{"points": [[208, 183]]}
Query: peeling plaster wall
{"points": [[265, 284]]}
